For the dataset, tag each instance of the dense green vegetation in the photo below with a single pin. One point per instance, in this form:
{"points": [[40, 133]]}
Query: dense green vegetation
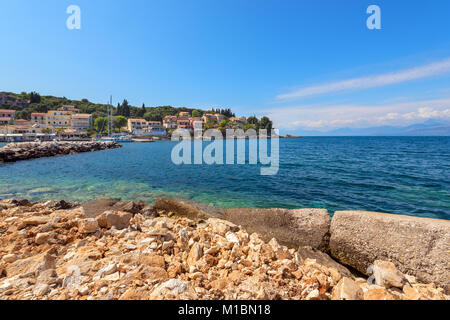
{"points": [[44, 103]]}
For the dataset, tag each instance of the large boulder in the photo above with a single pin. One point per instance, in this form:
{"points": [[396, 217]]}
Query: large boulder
{"points": [[292, 228], [118, 219], [323, 259], [95, 208], [416, 246]]}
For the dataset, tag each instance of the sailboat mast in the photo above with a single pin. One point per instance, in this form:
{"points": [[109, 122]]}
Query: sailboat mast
{"points": [[110, 116]]}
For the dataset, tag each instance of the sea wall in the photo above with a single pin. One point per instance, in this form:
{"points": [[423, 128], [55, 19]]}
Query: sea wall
{"points": [[30, 150]]}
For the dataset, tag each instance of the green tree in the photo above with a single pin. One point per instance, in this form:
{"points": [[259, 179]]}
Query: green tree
{"points": [[247, 126], [119, 122], [196, 114], [253, 120], [35, 97], [265, 123], [100, 124], [125, 109]]}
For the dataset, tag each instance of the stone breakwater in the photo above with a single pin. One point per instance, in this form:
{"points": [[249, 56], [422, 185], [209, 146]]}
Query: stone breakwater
{"points": [[31, 150], [114, 250]]}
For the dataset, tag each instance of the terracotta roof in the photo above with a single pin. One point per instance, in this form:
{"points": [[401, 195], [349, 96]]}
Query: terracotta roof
{"points": [[138, 120], [5, 119], [37, 114], [7, 111], [21, 120]]}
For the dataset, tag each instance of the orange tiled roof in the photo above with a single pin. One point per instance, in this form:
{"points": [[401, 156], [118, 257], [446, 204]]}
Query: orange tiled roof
{"points": [[7, 111]]}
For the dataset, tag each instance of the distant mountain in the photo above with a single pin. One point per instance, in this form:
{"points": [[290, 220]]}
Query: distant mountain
{"points": [[431, 127]]}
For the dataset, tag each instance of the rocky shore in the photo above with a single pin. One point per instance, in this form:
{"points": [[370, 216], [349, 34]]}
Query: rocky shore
{"points": [[179, 250], [30, 150]]}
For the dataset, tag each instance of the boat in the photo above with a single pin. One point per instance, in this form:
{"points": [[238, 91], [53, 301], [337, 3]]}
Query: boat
{"points": [[111, 136], [118, 139], [142, 139]]}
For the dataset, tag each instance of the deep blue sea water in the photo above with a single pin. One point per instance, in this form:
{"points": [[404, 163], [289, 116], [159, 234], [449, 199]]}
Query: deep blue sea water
{"points": [[405, 175]]}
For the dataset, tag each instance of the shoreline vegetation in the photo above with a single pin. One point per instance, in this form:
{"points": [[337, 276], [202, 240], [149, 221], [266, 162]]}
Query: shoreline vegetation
{"points": [[177, 249]]}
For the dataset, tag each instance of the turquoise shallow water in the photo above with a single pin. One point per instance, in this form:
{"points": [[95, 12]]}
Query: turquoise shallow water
{"points": [[405, 175]]}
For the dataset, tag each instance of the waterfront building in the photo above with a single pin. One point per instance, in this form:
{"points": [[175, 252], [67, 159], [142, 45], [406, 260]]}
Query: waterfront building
{"points": [[170, 122], [208, 117], [80, 122], [6, 116], [219, 117], [240, 120], [137, 126], [58, 119], [184, 115], [192, 121], [38, 118], [184, 123], [155, 128]]}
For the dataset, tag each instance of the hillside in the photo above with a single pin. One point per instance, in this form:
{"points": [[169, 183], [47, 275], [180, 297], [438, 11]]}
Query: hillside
{"points": [[40, 103]]}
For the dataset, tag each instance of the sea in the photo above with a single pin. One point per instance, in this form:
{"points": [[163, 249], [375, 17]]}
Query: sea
{"points": [[402, 175]]}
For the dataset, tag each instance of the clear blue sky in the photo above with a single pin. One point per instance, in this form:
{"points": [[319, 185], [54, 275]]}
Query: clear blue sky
{"points": [[286, 59]]}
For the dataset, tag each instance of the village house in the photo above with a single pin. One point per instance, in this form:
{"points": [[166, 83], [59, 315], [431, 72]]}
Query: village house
{"points": [[58, 119], [6, 116], [170, 122], [23, 132], [80, 122], [219, 117], [38, 118], [184, 124], [240, 120], [208, 117], [136, 126], [184, 115], [155, 128], [192, 121]]}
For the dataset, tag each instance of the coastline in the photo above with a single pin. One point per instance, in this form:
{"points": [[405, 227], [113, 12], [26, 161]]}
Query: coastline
{"points": [[177, 249]]}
